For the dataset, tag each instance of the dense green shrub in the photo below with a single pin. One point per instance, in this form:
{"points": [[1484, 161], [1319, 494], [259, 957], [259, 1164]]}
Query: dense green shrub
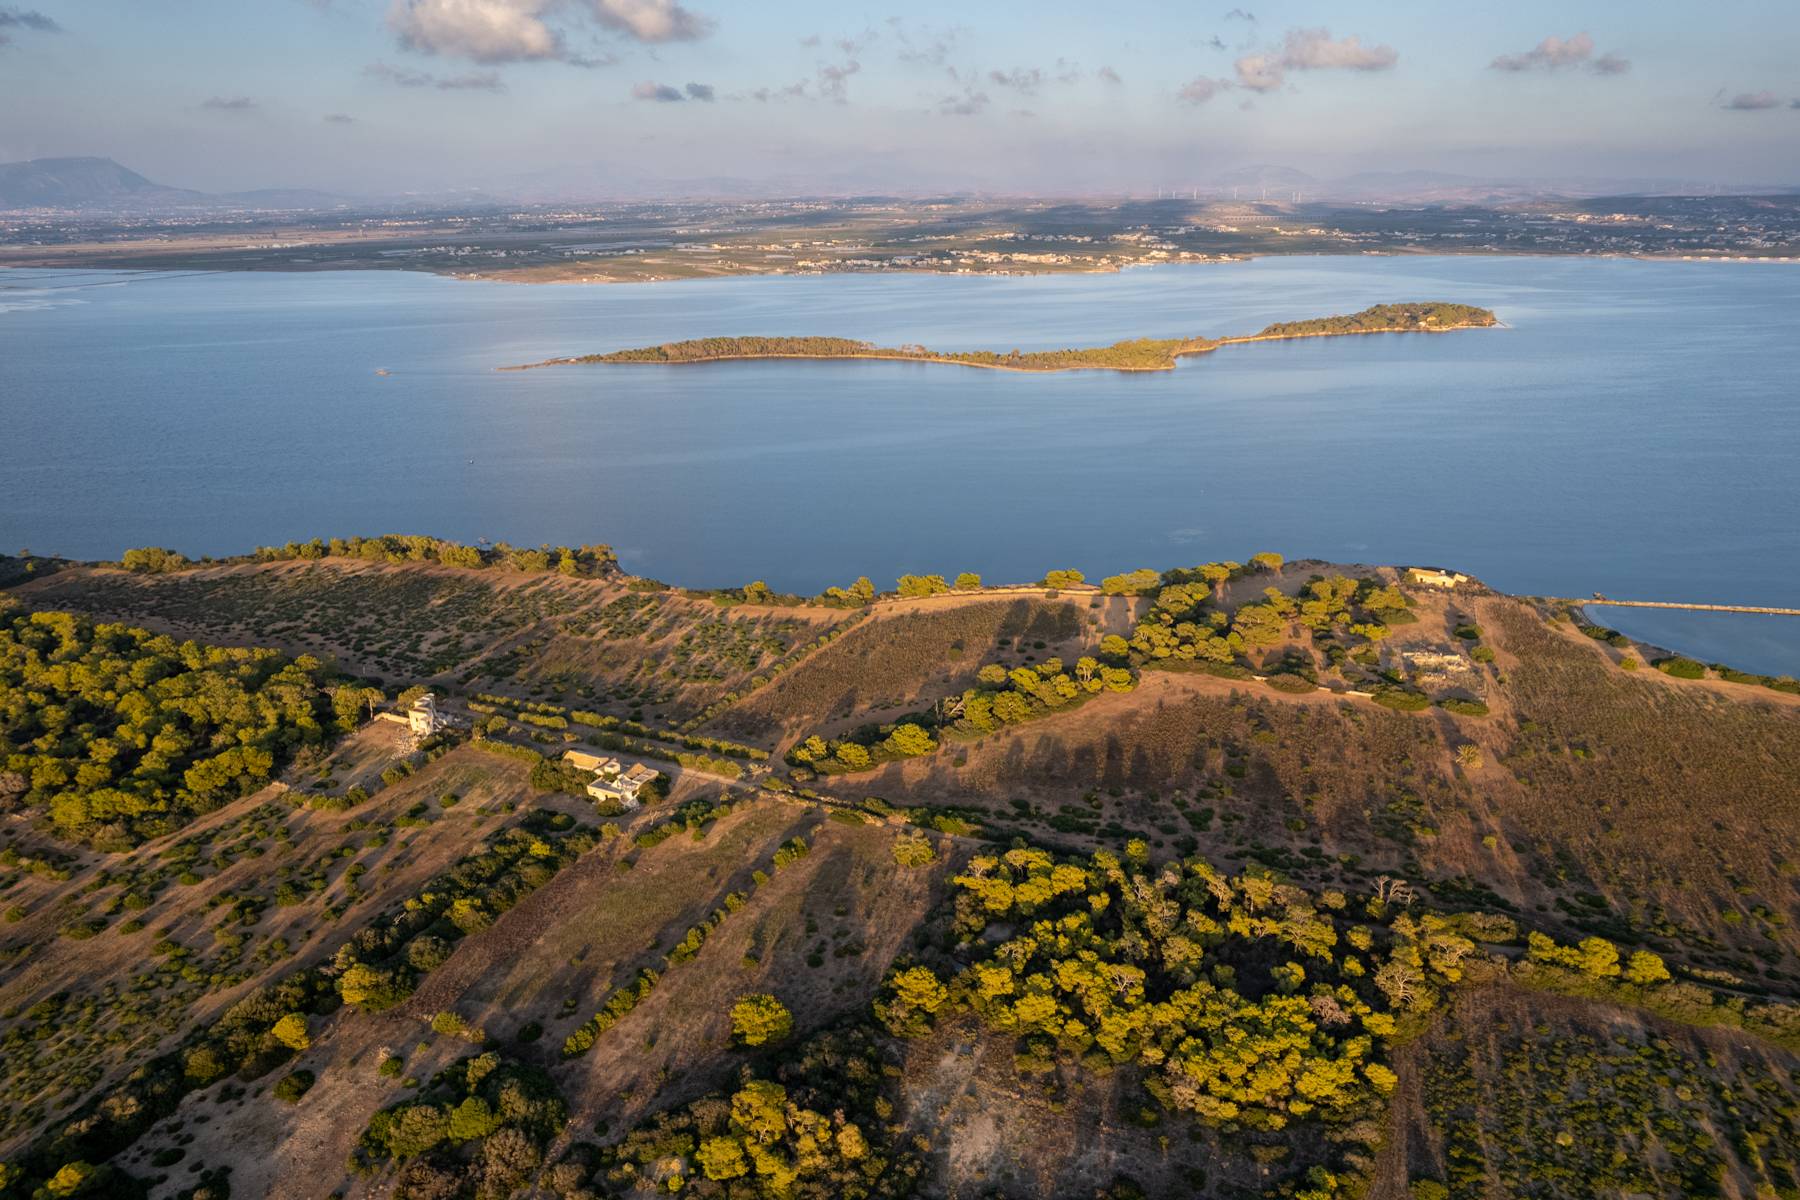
{"points": [[759, 1019], [487, 1110], [1464, 708], [292, 1086], [914, 851], [1401, 700], [122, 734]]}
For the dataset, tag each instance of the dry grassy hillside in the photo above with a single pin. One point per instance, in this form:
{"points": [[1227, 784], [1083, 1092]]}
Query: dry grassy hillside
{"points": [[903, 658], [1515, 1093], [592, 642], [1582, 811], [1401, 894], [192, 923]]}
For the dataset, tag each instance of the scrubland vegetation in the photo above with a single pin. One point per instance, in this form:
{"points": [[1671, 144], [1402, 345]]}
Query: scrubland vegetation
{"points": [[591, 643], [1388, 318], [121, 735], [1265, 879], [397, 548]]}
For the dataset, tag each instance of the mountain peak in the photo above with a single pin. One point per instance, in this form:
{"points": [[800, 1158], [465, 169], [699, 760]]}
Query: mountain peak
{"points": [[69, 182]]}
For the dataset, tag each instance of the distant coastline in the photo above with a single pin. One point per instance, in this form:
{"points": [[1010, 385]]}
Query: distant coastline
{"points": [[1132, 355]]}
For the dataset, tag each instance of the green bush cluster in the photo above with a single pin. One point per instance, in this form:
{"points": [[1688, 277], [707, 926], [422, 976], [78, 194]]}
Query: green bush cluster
{"points": [[524, 754], [1384, 318], [1186, 625], [400, 548], [621, 1002], [380, 965], [864, 748], [1247, 1002], [478, 1128], [1778, 683], [121, 734], [815, 1127], [1003, 697], [1464, 708]]}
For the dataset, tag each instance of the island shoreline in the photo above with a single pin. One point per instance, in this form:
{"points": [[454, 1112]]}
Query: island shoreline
{"points": [[1194, 348]]}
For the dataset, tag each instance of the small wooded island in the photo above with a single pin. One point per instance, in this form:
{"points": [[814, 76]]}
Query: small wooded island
{"points": [[1135, 354]]}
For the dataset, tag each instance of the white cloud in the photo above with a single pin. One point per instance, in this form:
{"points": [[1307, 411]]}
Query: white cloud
{"points": [[1555, 54], [651, 20], [1314, 50], [1311, 50], [497, 31], [486, 31], [1260, 72], [1199, 91]]}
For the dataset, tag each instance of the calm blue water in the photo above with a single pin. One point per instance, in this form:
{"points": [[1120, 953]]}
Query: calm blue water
{"points": [[1635, 430]]}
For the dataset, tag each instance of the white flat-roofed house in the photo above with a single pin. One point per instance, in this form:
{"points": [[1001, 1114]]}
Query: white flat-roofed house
{"points": [[1432, 577], [614, 780]]}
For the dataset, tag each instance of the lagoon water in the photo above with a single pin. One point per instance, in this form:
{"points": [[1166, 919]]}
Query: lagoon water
{"points": [[1634, 430]]}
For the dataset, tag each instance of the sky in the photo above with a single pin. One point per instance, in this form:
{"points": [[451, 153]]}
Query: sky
{"points": [[372, 97]]}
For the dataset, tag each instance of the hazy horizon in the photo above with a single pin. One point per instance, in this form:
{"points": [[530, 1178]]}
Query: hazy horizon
{"points": [[368, 97]]}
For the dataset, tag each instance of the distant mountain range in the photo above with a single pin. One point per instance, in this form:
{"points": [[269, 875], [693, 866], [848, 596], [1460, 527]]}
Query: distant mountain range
{"points": [[70, 182], [101, 183]]}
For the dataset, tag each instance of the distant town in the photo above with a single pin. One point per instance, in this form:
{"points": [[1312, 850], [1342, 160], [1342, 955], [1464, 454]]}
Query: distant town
{"points": [[646, 241]]}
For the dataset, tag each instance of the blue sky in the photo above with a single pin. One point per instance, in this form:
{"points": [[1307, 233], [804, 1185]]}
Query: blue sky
{"points": [[1054, 96]]}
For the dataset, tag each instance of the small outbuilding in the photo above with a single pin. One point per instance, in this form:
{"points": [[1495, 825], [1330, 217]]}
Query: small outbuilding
{"points": [[581, 760]]}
